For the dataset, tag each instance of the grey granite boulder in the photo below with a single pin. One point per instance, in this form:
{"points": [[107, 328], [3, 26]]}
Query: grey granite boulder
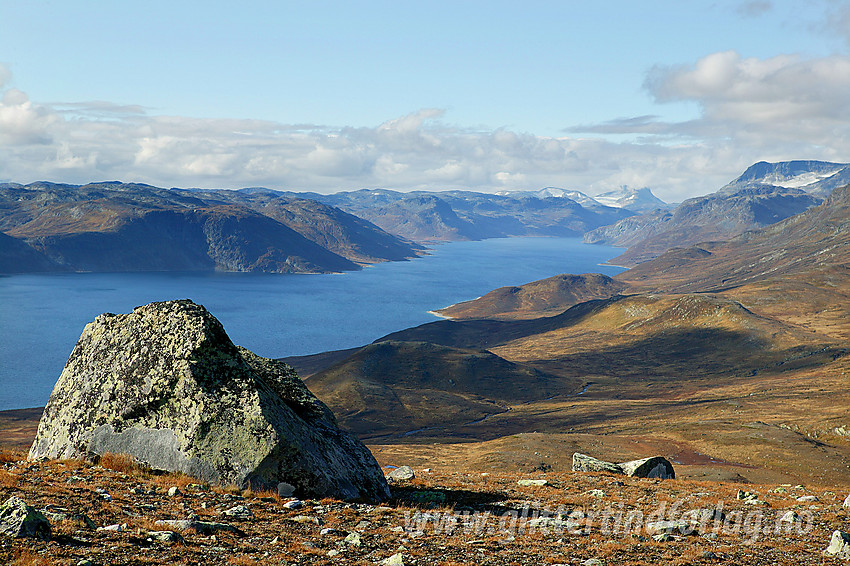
{"points": [[17, 519], [166, 385], [654, 467], [585, 463]]}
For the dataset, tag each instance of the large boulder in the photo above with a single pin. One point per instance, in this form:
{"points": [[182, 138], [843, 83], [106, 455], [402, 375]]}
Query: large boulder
{"points": [[585, 463], [166, 385], [654, 467]]}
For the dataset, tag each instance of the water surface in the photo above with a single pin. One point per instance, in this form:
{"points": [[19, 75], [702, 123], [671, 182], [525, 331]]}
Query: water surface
{"points": [[41, 316]]}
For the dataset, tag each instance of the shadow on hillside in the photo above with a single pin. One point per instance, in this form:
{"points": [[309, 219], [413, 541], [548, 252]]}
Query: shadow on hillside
{"points": [[430, 498], [690, 353]]}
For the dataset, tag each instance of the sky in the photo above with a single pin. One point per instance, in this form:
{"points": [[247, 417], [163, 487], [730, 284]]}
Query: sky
{"points": [[494, 95]]}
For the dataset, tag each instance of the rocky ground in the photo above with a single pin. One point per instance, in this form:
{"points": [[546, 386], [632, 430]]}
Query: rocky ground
{"points": [[116, 513]]}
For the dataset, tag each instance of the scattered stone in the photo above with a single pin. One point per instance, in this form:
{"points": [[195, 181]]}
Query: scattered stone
{"points": [[353, 539], [846, 503], [839, 545], [164, 536], [598, 493], [240, 512], [294, 504], [174, 392], [704, 515], [670, 527], [790, 517], [545, 523], [394, 560], [662, 537], [746, 495], [709, 555], [592, 562], [333, 552], [532, 483], [327, 531], [116, 527], [303, 519], [173, 491], [808, 499], [85, 562], [403, 473], [17, 519]]}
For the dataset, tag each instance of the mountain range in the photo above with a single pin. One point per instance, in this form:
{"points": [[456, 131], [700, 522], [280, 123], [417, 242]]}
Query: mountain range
{"points": [[465, 215], [131, 227], [764, 194]]}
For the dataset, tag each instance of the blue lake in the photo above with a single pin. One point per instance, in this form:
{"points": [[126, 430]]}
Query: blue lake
{"points": [[41, 316]]}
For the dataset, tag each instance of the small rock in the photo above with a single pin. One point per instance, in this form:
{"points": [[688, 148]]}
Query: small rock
{"points": [[304, 519], [846, 503], [294, 504], [669, 527], [705, 515], [790, 517], [327, 531], [598, 493], [532, 483], [746, 495], [173, 491], [403, 473], [585, 463], [394, 560], [85, 562], [275, 540], [333, 552], [353, 539], [592, 562], [808, 499], [17, 519], [164, 536], [662, 537], [240, 512], [839, 545], [362, 525], [709, 555], [116, 527]]}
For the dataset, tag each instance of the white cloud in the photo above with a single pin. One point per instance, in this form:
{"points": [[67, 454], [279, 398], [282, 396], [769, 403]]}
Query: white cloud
{"points": [[752, 109]]}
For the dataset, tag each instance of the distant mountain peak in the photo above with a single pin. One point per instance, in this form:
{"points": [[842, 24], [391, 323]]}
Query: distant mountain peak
{"points": [[639, 200], [816, 177]]}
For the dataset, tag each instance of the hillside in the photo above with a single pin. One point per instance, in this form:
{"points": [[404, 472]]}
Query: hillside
{"points": [[718, 216], [545, 297], [128, 227], [403, 388]]}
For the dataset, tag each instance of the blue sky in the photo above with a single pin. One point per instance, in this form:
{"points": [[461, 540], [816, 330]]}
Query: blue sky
{"points": [[325, 96]]}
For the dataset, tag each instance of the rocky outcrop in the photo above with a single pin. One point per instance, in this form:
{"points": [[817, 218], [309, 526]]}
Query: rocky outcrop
{"points": [[166, 385], [653, 467], [17, 519], [839, 545]]}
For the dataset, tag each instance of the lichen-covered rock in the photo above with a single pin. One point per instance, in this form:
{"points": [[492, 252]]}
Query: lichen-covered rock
{"points": [[585, 463], [839, 545], [17, 519], [166, 385], [654, 467]]}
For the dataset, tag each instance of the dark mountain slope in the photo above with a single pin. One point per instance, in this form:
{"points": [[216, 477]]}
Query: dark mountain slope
{"points": [[127, 227], [398, 387]]}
